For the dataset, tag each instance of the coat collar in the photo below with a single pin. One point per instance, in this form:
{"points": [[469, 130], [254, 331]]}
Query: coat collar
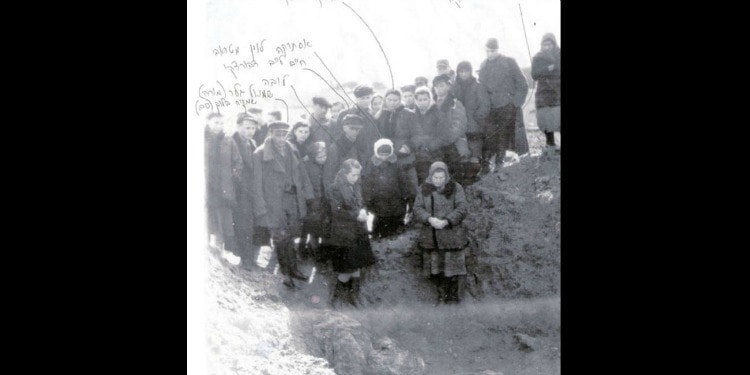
{"points": [[428, 188], [391, 159]]}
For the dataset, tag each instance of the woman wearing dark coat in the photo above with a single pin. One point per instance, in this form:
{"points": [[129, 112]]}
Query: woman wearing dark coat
{"points": [[388, 187], [441, 207], [545, 69], [299, 137], [348, 242]]}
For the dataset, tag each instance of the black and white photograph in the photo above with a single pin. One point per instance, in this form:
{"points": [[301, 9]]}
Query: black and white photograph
{"points": [[374, 187]]}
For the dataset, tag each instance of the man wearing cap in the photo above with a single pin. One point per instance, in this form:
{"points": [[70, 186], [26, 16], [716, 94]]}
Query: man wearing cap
{"points": [[345, 147], [370, 133], [444, 68], [420, 81], [321, 127], [281, 191], [507, 88], [222, 160], [247, 125]]}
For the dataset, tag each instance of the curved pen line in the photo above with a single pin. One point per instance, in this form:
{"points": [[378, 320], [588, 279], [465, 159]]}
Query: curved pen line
{"points": [[287, 108], [324, 80], [526, 38], [311, 115], [337, 81], [393, 85]]}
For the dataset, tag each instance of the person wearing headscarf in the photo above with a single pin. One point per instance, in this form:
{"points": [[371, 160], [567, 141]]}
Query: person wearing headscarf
{"points": [[387, 189], [349, 244], [545, 70], [440, 207]]}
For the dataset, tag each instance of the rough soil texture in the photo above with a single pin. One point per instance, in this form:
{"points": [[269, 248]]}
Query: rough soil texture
{"points": [[508, 323]]}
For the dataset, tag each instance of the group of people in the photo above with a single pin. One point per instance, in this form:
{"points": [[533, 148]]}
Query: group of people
{"points": [[397, 157]]}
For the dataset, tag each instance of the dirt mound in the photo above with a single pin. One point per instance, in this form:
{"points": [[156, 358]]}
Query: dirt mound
{"points": [[509, 323]]}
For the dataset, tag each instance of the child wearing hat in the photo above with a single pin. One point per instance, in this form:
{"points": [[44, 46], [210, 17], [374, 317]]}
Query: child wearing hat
{"points": [[387, 189]]}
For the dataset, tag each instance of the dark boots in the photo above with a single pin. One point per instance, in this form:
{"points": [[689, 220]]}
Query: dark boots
{"points": [[550, 138], [441, 287], [455, 288], [355, 286]]}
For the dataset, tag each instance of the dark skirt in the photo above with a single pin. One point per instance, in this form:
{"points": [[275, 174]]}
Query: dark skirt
{"points": [[349, 259]]}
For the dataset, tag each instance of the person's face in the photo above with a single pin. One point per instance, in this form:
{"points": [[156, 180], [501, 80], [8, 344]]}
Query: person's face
{"points": [[420, 82], [320, 111], [216, 124], [247, 129], [438, 178], [377, 103], [321, 158], [408, 98], [364, 102], [464, 75], [442, 70], [351, 132], [423, 102], [279, 136], [302, 133], [547, 46], [441, 89], [491, 53], [353, 176], [392, 101]]}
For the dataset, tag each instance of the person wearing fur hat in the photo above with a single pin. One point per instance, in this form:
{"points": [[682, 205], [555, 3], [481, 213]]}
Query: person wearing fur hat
{"points": [[317, 221], [363, 95], [440, 207], [545, 69], [388, 187], [281, 192], [507, 88], [349, 244], [476, 101]]}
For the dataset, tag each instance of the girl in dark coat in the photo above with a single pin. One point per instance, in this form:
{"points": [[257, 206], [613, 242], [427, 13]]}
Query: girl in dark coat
{"points": [[441, 207], [349, 243], [387, 189]]}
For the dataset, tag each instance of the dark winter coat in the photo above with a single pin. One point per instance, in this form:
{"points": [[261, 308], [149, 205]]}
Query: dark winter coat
{"points": [[345, 202], [323, 131], [440, 126], [450, 205], [272, 177], [369, 133], [548, 82], [319, 213], [244, 184], [476, 101], [504, 80], [340, 151], [387, 186], [223, 163]]}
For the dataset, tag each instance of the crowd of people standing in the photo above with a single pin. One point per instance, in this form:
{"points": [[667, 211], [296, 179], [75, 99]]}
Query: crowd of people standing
{"points": [[397, 156]]}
